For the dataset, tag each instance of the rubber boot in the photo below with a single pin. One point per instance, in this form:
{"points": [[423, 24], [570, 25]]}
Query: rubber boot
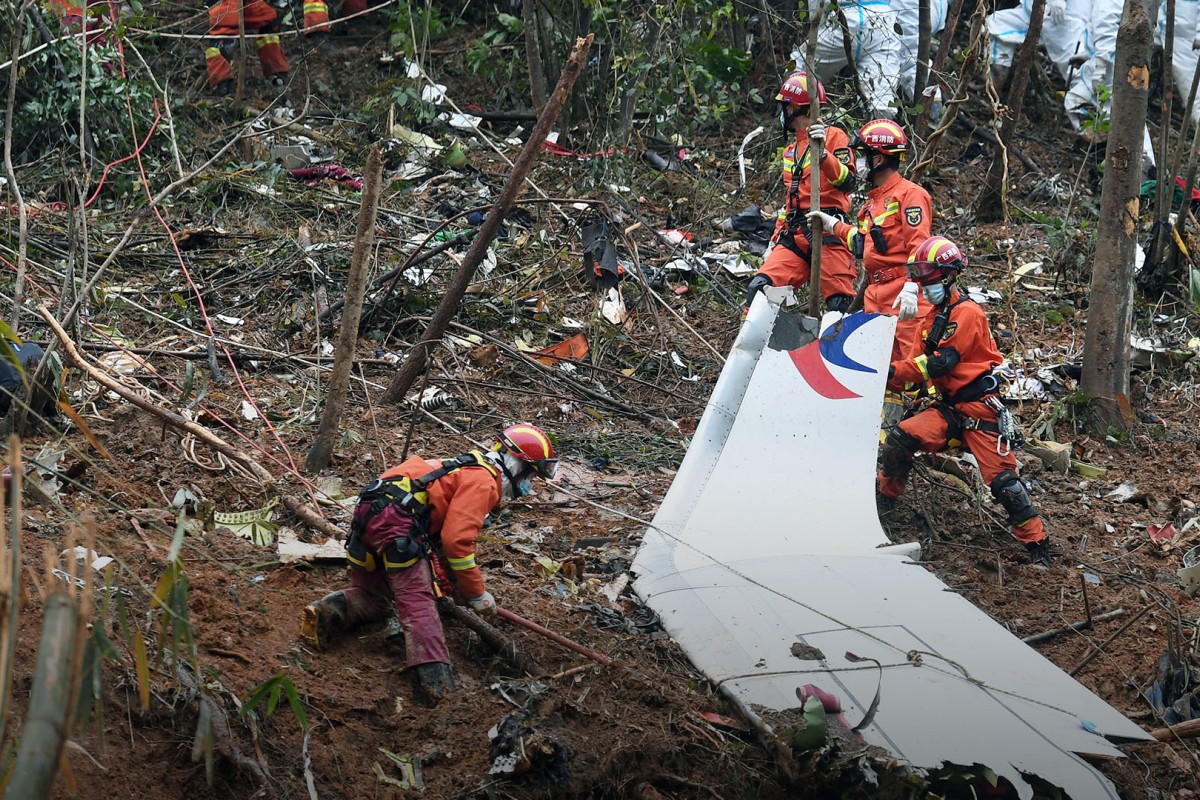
{"points": [[1039, 553], [435, 680], [324, 620]]}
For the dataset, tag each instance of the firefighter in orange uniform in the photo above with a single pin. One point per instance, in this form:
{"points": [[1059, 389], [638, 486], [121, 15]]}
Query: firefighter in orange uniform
{"points": [[413, 514], [788, 263], [316, 14], [957, 355], [260, 18], [895, 219]]}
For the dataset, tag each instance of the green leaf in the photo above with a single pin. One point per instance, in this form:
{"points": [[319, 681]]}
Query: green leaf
{"points": [[294, 701], [177, 540], [276, 690], [142, 666]]}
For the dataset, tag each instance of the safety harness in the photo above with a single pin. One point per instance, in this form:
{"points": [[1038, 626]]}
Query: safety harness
{"points": [[411, 497], [985, 387]]}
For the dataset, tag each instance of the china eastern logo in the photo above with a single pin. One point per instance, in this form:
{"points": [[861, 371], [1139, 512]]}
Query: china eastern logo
{"points": [[810, 360]]}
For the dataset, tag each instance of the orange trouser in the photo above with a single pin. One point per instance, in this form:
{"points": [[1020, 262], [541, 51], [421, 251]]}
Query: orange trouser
{"points": [[259, 18], [930, 431], [786, 268], [316, 13], [878, 299]]}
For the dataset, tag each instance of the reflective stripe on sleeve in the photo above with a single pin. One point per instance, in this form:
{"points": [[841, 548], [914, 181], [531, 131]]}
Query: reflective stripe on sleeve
{"points": [[464, 563], [922, 363]]}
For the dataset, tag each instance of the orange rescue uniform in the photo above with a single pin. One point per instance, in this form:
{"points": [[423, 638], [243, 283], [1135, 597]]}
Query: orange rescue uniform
{"points": [[961, 415], [788, 266], [316, 13], [458, 504], [259, 18], [902, 212]]}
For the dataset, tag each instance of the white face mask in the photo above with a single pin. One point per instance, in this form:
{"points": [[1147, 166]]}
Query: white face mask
{"points": [[862, 165], [935, 293]]}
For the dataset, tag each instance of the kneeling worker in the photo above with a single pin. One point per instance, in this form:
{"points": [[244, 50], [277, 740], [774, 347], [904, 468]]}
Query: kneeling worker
{"points": [[416, 512], [957, 355]]}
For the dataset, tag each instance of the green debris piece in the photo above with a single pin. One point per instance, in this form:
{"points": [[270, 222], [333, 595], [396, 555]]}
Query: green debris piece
{"points": [[816, 726], [254, 525], [410, 770]]}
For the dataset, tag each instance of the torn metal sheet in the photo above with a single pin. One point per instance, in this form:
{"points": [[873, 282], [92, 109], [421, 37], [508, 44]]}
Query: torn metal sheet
{"points": [[769, 538]]}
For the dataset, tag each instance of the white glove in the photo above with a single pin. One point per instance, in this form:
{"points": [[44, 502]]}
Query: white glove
{"points": [[1056, 10], [906, 301], [816, 132], [827, 220], [484, 605]]}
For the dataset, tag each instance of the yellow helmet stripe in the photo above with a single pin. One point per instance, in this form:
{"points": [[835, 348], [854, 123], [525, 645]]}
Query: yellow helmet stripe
{"points": [[933, 251], [547, 448]]}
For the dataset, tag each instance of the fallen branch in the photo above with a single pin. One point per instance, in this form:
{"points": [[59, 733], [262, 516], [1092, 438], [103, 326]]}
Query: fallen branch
{"points": [[418, 356], [491, 637], [311, 518], [1074, 626], [170, 417], [1184, 730], [222, 738], [1098, 649]]}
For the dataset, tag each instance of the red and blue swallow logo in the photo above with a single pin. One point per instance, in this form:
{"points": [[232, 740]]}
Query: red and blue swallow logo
{"points": [[810, 360]]}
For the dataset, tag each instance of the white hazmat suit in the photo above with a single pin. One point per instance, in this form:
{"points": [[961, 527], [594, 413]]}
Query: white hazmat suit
{"points": [[874, 47]]}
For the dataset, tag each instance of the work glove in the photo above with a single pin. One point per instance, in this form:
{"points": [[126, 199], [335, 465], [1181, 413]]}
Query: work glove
{"points": [[941, 362], [484, 605], [816, 132], [906, 301], [1056, 10], [827, 220]]}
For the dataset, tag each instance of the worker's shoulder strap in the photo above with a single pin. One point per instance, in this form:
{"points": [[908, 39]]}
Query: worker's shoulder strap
{"points": [[471, 459]]}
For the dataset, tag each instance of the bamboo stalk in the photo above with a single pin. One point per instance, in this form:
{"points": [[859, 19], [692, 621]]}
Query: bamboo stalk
{"points": [[10, 580], [46, 725]]}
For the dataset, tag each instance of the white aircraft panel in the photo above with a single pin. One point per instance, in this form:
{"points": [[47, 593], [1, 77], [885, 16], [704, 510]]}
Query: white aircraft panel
{"points": [[769, 536]]}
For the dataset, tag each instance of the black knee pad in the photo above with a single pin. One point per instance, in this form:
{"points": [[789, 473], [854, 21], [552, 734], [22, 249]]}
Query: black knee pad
{"points": [[898, 450], [839, 302], [757, 284], [1010, 492]]}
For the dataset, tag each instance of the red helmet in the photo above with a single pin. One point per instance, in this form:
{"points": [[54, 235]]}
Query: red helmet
{"points": [[794, 91], [530, 444], [933, 261], [882, 136]]}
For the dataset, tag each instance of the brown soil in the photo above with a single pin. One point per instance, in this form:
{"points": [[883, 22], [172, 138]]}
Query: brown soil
{"points": [[633, 730]]}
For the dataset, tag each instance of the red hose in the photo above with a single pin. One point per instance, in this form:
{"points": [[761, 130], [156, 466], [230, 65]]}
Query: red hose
{"points": [[504, 613]]}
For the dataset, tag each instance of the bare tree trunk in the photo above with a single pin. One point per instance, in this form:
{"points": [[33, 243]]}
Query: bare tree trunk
{"points": [[1106, 347], [356, 286], [22, 211], [815, 9], [243, 56], [533, 55], [924, 34], [848, 49], [973, 58], [419, 354], [991, 206], [939, 60]]}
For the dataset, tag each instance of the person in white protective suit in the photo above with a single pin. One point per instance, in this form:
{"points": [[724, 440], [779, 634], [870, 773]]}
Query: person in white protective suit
{"points": [[1185, 47], [874, 47], [1083, 99], [1064, 33], [908, 17]]}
